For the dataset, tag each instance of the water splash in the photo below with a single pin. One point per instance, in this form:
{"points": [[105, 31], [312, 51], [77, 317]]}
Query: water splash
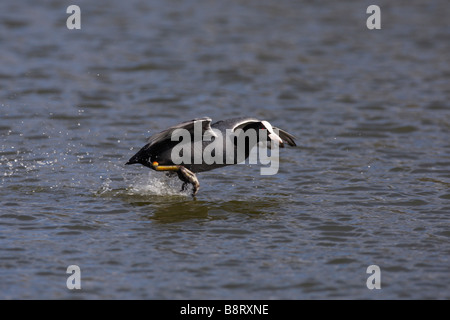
{"points": [[141, 186], [155, 185]]}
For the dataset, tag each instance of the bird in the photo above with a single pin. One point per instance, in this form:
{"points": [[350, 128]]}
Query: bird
{"points": [[207, 146]]}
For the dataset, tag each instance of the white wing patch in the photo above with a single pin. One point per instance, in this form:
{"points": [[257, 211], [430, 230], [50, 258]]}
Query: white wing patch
{"points": [[272, 134]]}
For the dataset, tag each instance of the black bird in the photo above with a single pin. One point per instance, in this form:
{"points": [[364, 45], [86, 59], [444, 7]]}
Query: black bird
{"points": [[224, 143]]}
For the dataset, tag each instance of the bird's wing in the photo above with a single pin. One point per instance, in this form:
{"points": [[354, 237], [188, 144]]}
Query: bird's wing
{"points": [[166, 135], [236, 123], [239, 123]]}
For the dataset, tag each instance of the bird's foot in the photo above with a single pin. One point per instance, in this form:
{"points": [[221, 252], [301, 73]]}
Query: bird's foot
{"points": [[187, 176]]}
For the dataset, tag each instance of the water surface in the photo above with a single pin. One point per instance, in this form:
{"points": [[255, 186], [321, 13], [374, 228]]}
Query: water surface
{"points": [[368, 183]]}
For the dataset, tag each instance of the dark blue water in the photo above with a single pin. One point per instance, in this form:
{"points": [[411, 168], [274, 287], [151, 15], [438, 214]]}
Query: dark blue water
{"points": [[368, 184]]}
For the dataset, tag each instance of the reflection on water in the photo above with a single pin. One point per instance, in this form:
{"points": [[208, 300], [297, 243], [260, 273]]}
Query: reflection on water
{"points": [[178, 212], [367, 184]]}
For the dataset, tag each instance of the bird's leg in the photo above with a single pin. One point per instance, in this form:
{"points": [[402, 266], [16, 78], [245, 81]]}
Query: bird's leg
{"points": [[185, 175]]}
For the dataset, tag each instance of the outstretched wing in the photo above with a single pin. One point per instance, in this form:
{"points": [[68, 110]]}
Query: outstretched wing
{"points": [[159, 145], [240, 123], [166, 135]]}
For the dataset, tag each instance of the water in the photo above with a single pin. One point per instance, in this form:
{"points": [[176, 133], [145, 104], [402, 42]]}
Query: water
{"points": [[368, 183]]}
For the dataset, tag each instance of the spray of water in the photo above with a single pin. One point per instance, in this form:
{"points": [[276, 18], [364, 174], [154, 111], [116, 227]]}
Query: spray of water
{"points": [[149, 184], [145, 184]]}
